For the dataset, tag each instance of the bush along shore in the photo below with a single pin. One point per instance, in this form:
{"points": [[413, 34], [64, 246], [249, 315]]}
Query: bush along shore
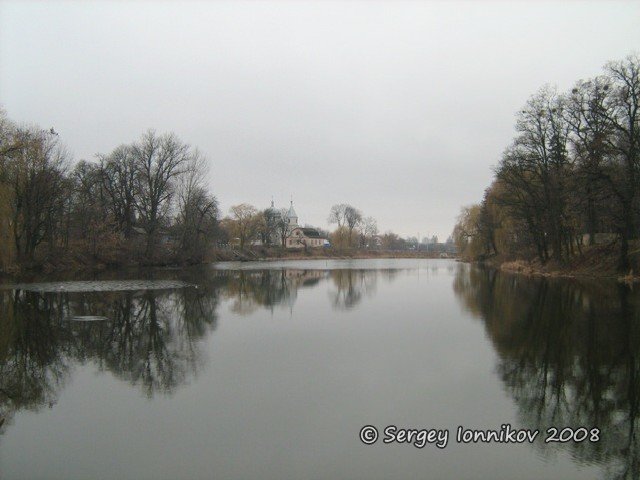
{"points": [[600, 261]]}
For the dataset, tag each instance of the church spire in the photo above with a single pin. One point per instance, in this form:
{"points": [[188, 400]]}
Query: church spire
{"points": [[292, 216]]}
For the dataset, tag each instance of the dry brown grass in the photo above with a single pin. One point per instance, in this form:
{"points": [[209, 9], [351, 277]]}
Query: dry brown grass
{"points": [[598, 261]]}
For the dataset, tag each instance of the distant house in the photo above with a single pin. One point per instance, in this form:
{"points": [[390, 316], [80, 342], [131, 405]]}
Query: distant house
{"points": [[375, 242], [305, 237], [297, 236], [162, 235]]}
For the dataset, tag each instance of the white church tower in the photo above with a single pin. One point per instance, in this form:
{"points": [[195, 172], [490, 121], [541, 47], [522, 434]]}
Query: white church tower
{"points": [[292, 217]]}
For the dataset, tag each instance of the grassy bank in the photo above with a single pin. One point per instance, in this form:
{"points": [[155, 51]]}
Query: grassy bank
{"points": [[599, 261]]}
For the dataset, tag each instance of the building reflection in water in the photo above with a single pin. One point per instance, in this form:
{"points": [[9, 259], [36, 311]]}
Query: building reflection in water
{"points": [[568, 354]]}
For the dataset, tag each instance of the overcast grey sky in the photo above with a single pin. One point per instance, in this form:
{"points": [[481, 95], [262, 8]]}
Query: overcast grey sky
{"points": [[400, 109]]}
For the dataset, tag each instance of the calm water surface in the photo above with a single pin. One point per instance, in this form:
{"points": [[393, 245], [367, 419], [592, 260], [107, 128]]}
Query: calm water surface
{"points": [[270, 370]]}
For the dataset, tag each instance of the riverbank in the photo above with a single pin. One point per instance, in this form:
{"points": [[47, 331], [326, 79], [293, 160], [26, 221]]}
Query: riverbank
{"points": [[275, 253], [78, 266], [599, 261]]}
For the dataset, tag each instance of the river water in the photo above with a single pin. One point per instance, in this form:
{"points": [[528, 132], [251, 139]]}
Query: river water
{"points": [[271, 371]]}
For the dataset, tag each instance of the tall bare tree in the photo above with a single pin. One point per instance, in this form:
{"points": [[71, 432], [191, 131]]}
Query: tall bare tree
{"points": [[337, 214], [352, 218], [536, 171], [158, 160], [622, 110], [345, 215], [88, 218], [590, 131], [197, 210], [119, 177], [37, 175]]}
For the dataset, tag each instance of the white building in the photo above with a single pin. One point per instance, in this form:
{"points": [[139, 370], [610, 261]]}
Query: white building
{"points": [[297, 236]]}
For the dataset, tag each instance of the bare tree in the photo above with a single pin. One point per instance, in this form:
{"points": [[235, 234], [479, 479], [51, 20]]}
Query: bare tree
{"points": [[337, 214], [282, 227], [197, 216], [119, 175], [88, 218], [37, 175], [158, 161], [368, 230], [245, 222], [536, 171], [352, 218], [8, 146], [345, 215], [622, 111], [588, 136]]}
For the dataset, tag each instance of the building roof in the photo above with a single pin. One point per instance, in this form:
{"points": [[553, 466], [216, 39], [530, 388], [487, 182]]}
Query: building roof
{"points": [[272, 210], [292, 213], [311, 233]]}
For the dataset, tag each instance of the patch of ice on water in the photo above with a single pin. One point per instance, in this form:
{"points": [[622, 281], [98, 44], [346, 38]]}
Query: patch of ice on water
{"points": [[87, 318], [101, 286]]}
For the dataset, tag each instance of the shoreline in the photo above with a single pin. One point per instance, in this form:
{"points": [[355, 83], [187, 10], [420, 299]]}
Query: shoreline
{"points": [[530, 268], [72, 271], [593, 262], [276, 254]]}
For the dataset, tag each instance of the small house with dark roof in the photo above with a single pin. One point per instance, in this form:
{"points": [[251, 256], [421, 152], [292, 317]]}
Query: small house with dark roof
{"points": [[305, 237]]}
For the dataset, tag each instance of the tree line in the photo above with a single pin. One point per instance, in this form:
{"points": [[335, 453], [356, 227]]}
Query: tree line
{"points": [[248, 225], [123, 208], [569, 179]]}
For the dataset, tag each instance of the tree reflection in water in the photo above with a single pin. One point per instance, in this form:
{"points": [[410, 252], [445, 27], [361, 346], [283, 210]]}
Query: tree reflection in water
{"points": [[569, 355], [32, 351], [250, 290], [351, 285], [150, 338]]}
